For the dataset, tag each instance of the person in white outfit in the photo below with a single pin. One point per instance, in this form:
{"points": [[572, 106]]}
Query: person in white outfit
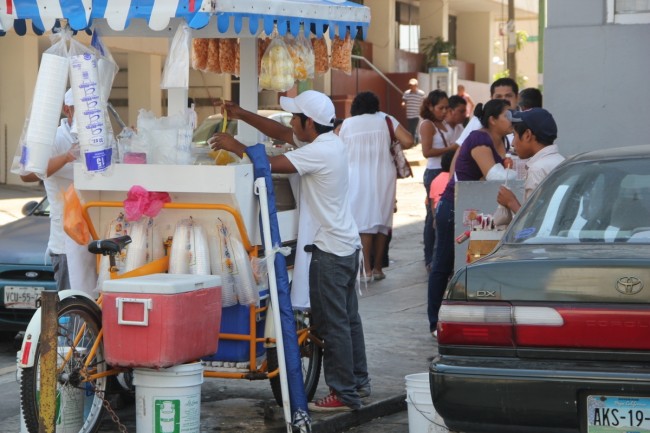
{"points": [[372, 176], [74, 266]]}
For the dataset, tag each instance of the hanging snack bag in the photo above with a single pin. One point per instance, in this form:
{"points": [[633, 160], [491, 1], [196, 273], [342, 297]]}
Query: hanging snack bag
{"points": [[200, 49], [321, 57], [262, 45], [228, 53], [342, 54], [277, 67], [302, 55], [213, 64]]}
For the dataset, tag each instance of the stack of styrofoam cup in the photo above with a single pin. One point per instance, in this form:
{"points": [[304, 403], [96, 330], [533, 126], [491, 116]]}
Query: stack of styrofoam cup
{"points": [[89, 112], [46, 111]]}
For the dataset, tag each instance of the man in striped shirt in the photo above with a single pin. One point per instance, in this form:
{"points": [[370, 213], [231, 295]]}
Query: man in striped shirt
{"points": [[412, 100]]}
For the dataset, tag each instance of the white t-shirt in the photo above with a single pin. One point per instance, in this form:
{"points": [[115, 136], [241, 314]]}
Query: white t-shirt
{"points": [[539, 166], [56, 185], [323, 169]]}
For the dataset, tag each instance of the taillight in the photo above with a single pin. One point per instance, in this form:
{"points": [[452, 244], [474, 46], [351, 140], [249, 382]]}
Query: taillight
{"points": [[491, 323]]}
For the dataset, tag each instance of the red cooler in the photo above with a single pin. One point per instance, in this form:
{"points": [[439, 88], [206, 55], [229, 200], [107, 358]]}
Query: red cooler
{"points": [[161, 320]]}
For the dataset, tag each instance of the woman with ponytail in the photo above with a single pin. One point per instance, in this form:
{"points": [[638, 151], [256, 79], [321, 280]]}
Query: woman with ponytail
{"points": [[480, 158]]}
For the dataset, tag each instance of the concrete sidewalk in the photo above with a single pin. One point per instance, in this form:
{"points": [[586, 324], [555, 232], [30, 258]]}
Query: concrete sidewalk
{"points": [[398, 343]]}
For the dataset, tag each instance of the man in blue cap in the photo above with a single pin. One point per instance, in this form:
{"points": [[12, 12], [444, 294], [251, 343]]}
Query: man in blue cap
{"points": [[535, 132]]}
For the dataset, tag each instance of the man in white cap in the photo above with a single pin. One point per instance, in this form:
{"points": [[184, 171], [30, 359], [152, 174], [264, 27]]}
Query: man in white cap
{"points": [[59, 176], [412, 100], [321, 162]]}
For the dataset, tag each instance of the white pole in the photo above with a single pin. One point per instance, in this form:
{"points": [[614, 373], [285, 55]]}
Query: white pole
{"points": [[260, 190]]}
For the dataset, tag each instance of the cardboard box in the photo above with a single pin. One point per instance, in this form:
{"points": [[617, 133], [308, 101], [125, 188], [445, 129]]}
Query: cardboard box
{"points": [[161, 320], [482, 243]]}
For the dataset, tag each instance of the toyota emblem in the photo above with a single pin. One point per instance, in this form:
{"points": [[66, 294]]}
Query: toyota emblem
{"points": [[629, 285]]}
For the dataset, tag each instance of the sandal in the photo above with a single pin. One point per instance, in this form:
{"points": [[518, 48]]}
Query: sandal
{"points": [[378, 275]]}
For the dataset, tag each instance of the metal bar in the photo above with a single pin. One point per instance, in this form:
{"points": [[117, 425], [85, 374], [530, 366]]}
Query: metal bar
{"points": [[48, 342], [381, 74]]}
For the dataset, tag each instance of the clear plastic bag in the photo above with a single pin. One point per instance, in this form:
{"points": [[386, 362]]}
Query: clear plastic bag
{"points": [[229, 56], [90, 108], [200, 50], [321, 56], [342, 54], [222, 263], [245, 286], [190, 252], [176, 73], [302, 55], [277, 69], [213, 64]]}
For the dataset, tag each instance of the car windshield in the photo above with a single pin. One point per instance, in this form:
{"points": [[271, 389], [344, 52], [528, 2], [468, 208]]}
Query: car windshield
{"points": [[593, 201], [209, 127]]}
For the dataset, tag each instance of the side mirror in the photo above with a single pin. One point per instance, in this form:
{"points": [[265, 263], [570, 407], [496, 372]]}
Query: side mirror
{"points": [[29, 207]]}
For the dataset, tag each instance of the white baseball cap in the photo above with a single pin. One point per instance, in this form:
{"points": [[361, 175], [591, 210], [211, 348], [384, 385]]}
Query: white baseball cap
{"points": [[315, 105], [68, 99]]}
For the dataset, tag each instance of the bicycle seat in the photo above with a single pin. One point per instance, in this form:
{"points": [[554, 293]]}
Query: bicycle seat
{"points": [[109, 246]]}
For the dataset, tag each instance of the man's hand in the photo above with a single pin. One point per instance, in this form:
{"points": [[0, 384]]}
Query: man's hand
{"points": [[233, 109], [227, 142], [507, 198]]}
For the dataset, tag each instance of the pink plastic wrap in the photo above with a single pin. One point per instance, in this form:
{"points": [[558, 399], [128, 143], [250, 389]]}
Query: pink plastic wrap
{"points": [[140, 202]]}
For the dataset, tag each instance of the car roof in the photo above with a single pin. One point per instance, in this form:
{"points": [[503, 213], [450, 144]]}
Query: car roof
{"points": [[613, 153]]}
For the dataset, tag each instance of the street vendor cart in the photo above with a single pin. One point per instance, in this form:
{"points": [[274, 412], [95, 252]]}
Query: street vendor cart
{"points": [[236, 194]]}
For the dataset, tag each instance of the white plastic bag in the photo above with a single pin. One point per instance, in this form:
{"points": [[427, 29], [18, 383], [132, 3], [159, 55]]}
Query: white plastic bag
{"points": [[302, 55], [176, 73], [221, 262], [190, 252]]}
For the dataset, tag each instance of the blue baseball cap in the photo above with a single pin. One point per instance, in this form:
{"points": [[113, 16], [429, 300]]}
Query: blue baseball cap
{"points": [[540, 122]]}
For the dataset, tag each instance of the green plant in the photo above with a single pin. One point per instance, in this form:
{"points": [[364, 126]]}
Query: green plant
{"points": [[433, 49], [521, 79]]}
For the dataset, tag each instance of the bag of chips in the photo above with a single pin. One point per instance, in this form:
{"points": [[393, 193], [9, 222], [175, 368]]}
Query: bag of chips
{"points": [[342, 54]]}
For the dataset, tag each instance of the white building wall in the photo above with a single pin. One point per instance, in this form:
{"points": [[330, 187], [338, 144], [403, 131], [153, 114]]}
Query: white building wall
{"points": [[595, 77]]}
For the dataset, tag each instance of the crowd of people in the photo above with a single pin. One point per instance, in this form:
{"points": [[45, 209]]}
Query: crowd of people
{"points": [[345, 182]]}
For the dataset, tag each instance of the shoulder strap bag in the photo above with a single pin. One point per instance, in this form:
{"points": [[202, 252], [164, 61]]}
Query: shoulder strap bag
{"points": [[399, 159]]}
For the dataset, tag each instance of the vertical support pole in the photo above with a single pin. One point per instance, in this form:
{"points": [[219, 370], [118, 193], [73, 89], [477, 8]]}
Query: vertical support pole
{"points": [[512, 41], [541, 28], [48, 340]]}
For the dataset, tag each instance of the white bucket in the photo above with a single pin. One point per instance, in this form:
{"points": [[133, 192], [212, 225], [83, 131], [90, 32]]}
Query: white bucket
{"points": [[423, 418], [168, 400]]}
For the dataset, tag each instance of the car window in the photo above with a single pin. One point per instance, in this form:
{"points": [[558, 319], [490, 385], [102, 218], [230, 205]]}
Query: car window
{"points": [[210, 126], [596, 201]]}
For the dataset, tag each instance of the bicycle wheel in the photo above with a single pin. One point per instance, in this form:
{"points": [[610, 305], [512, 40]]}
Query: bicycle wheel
{"points": [[311, 358], [79, 402]]}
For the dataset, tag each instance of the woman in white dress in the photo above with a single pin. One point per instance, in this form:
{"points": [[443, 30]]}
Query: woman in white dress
{"points": [[372, 176]]}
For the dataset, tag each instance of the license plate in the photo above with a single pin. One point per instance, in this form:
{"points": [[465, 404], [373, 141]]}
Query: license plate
{"points": [[616, 414], [22, 297]]}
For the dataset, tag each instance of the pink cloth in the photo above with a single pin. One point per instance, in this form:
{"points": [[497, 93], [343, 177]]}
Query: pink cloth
{"points": [[140, 202], [438, 185]]}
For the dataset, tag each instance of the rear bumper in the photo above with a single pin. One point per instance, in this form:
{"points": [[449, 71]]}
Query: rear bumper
{"points": [[513, 395]]}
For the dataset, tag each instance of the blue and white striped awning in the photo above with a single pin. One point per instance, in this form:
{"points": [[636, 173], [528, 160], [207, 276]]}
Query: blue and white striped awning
{"points": [[235, 16]]}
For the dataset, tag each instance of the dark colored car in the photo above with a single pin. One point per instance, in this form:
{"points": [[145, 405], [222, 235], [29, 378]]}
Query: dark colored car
{"points": [[25, 267], [551, 332]]}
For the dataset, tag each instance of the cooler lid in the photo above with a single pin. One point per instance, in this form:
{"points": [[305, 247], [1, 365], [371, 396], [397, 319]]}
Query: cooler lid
{"points": [[166, 284]]}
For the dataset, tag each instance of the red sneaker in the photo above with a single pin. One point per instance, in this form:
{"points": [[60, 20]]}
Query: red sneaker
{"points": [[329, 403]]}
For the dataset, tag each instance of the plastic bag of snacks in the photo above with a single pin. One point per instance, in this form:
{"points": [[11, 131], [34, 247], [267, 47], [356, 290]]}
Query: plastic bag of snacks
{"points": [[321, 57], [277, 67], [302, 55], [213, 65], [262, 45], [200, 48], [228, 56], [342, 54]]}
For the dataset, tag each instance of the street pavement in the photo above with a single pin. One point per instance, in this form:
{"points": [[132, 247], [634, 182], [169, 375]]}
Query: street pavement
{"points": [[398, 342]]}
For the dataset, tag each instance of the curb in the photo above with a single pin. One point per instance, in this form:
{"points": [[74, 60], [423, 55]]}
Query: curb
{"points": [[345, 420]]}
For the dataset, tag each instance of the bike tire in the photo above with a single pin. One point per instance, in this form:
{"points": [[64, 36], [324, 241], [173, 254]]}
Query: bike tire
{"points": [[71, 389], [311, 358]]}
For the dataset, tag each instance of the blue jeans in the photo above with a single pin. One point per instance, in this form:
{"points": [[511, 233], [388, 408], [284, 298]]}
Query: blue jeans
{"points": [[412, 123], [443, 264], [61, 275], [429, 235], [335, 310]]}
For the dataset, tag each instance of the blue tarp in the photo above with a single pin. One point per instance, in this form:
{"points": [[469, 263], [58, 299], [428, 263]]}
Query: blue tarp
{"points": [[297, 397]]}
